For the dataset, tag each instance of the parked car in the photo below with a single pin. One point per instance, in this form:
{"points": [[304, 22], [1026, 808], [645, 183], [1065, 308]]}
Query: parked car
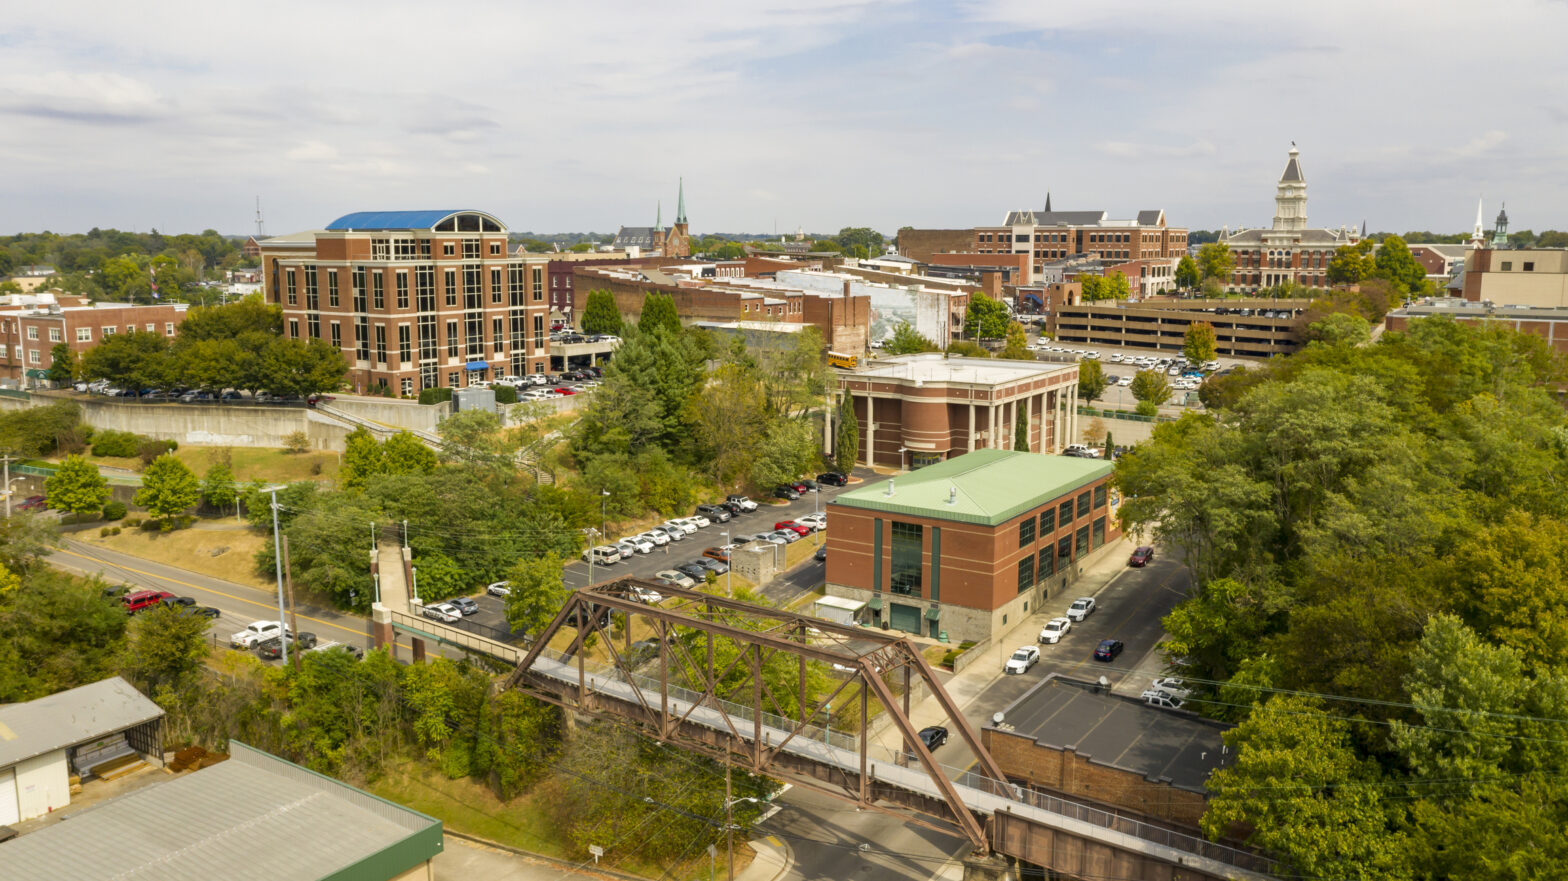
{"points": [[817, 522], [254, 632], [34, 503], [1108, 649], [658, 538], [714, 513], [800, 487], [695, 571], [745, 503], [821, 556], [671, 533], [499, 589], [933, 736], [790, 536], [678, 578], [794, 526], [717, 567], [808, 483], [733, 507], [776, 538], [145, 599], [701, 520], [1055, 629], [648, 596], [1025, 657], [639, 544], [466, 605], [744, 538], [443, 612], [1163, 699], [602, 555], [786, 492], [626, 548], [685, 526], [1081, 608], [1172, 685], [833, 478], [722, 554], [1141, 556], [175, 602], [273, 648]]}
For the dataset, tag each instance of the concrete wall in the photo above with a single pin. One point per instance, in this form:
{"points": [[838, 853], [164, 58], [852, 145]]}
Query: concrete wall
{"points": [[42, 784], [214, 425], [401, 414]]}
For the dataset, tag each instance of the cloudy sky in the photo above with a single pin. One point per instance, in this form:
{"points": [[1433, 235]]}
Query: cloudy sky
{"points": [[822, 113]]}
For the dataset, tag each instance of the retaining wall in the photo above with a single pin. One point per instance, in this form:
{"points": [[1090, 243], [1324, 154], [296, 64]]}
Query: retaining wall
{"points": [[390, 411]]}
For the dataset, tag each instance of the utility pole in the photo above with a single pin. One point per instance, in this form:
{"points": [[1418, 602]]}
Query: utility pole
{"points": [[277, 560], [288, 578], [8, 486], [729, 821]]}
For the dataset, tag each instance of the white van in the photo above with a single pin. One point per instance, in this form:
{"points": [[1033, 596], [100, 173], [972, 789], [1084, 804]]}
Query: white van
{"points": [[602, 555]]}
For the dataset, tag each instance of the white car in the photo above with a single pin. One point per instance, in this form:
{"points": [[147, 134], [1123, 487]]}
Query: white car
{"points": [[443, 612], [1025, 657], [255, 632], [1081, 608], [1055, 629], [672, 531], [500, 589], [1124, 381], [659, 539], [701, 521], [645, 595], [817, 522], [639, 544], [685, 526], [1163, 699], [1172, 685], [745, 503]]}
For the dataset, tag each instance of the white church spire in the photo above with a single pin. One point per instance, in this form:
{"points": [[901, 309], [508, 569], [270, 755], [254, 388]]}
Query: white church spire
{"points": [[1478, 235]]}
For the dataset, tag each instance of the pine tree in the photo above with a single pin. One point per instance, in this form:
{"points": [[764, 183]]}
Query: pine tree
{"points": [[847, 446], [1020, 432]]}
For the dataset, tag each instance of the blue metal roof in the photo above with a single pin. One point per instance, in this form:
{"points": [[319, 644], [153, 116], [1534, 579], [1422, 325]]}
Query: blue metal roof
{"points": [[396, 219]]}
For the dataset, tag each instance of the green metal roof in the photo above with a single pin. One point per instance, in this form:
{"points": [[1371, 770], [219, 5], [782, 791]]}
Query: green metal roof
{"points": [[986, 486]]}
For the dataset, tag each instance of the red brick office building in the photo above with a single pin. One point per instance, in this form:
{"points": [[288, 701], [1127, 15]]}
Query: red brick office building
{"points": [[28, 334], [413, 299], [971, 545]]}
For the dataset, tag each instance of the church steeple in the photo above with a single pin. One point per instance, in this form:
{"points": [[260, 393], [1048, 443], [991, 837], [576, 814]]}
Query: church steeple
{"points": [[1478, 235], [658, 216], [680, 208], [1500, 231], [1047, 201], [1290, 201]]}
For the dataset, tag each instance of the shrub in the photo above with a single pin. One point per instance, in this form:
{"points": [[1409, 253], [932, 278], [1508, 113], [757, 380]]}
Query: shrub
{"points": [[434, 395], [113, 510], [152, 449], [1147, 408], [505, 394], [296, 442], [106, 532], [121, 444], [133, 522]]}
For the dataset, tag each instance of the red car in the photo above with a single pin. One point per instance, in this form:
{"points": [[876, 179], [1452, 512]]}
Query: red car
{"points": [[1141, 556], [797, 528], [34, 503], [564, 390]]}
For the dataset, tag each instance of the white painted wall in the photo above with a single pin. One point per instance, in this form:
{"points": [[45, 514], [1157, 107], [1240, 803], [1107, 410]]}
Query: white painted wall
{"points": [[43, 784]]}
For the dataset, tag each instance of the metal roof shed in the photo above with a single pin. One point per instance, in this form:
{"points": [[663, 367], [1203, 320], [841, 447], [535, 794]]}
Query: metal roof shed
{"points": [[255, 816]]}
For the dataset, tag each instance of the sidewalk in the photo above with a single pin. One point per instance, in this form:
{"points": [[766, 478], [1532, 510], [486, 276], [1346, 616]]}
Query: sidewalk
{"points": [[771, 861], [1104, 566]]}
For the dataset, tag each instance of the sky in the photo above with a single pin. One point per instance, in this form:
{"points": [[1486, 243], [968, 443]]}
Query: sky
{"points": [[819, 114]]}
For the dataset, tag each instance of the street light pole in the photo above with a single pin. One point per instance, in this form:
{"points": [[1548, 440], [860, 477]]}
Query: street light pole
{"points": [[277, 560], [729, 565], [604, 507], [590, 531]]}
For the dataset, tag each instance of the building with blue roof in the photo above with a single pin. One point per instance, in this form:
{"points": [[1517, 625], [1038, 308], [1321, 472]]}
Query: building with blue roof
{"points": [[413, 299]]}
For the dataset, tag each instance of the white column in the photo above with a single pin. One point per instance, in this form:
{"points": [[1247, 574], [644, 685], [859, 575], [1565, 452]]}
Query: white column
{"points": [[1072, 413], [1029, 422], [971, 426], [871, 431]]}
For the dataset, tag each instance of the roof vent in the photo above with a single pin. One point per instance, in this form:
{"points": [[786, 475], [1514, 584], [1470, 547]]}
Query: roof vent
{"points": [[890, 486], [952, 495]]}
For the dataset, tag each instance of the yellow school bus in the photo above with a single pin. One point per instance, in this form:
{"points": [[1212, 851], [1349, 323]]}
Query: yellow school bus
{"points": [[843, 362]]}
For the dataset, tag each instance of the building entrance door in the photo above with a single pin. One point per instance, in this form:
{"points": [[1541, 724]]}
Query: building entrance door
{"points": [[905, 618]]}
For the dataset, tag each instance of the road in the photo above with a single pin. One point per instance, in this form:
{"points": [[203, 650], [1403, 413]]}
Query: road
{"points": [[830, 840]]}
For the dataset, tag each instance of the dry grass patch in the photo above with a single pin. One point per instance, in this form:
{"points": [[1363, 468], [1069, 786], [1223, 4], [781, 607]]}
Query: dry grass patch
{"points": [[194, 548]]}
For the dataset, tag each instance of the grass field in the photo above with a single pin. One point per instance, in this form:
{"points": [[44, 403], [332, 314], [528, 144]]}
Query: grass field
{"points": [[249, 463], [523, 822], [193, 549]]}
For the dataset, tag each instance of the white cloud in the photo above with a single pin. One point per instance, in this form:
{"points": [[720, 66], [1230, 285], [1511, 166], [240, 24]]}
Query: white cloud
{"points": [[312, 151]]}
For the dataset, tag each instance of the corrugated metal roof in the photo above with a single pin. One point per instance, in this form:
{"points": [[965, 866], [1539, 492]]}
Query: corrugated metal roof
{"points": [[252, 817], [986, 486], [396, 219], [71, 717]]}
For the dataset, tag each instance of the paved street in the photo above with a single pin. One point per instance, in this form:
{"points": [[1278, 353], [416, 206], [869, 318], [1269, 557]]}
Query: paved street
{"points": [[832, 841]]}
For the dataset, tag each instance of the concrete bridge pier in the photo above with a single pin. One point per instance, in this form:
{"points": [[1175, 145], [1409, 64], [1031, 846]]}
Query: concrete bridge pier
{"points": [[988, 867]]}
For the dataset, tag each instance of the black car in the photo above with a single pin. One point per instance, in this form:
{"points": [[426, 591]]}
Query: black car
{"points": [[595, 372], [717, 567], [715, 513], [694, 570], [1108, 649], [833, 478], [465, 605], [580, 619], [743, 538], [200, 612], [786, 492], [809, 484], [179, 601], [933, 737], [733, 507], [821, 555]]}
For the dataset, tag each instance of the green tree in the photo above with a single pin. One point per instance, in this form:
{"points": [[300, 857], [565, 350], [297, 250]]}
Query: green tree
{"points": [[163, 647], [403, 453], [1091, 379], [538, 593], [600, 314], [985, 318], [250, 314], [168, 487], [851, 237], [1299, 784], [1150, 386], [907, 341], [1198, 345], [1187, 275], [218, 488], [363, 458], [62, 363], [474, 438], [787, 451], [1216, 261], [1017, 347], [658, 312], [1340, 329], [77, 487], [1394, 262], [1091, 287], [1110, 287], [1350, 263], [846, 449], [1110, 447], [135, 360], [1021, 432], [728, 421]]}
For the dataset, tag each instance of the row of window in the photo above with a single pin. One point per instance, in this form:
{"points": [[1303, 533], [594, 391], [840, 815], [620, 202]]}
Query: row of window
{"points": [[1060, 517], [85, 334], [513, 284], [1034, 568], [470, 344]]}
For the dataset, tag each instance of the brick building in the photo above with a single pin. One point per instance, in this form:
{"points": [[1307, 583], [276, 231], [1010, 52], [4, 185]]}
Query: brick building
{"points": [[1247, 328], [1055, 235], [1550, 323], [413, 299], [917, 410], [656, 240], [921, 244], [1524, 277], [968, 545], [1067, 737], [29, 333], [1288, 251]]}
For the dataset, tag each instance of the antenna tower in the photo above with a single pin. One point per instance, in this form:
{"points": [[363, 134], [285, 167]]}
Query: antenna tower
{"points": [[261, 226]]}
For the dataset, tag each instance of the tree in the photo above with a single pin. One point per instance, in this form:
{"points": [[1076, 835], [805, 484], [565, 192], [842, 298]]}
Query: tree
{"points": [[1350, 263], [1091, 287], [164, 647], [600, 314], [1150, 386], [1187, 275], [474, 438], [658, 312], [297, 442], [1091, 379], [1198, 344], [1216, 261], [846, 449], [362, 458], [1340, 329], [1110, 447], [787, 451], [538, 593], [907, 341], [77, 487], [62, 363], [1020, 432], [1115, 287], [218, 487], [135, 360], [227, 322], [168, 487], [985, 318], [403, 453], [1017, 347], [1394, 262]]}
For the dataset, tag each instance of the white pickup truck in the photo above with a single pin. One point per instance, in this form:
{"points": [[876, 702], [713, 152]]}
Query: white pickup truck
{"points": [[255, 632]]}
